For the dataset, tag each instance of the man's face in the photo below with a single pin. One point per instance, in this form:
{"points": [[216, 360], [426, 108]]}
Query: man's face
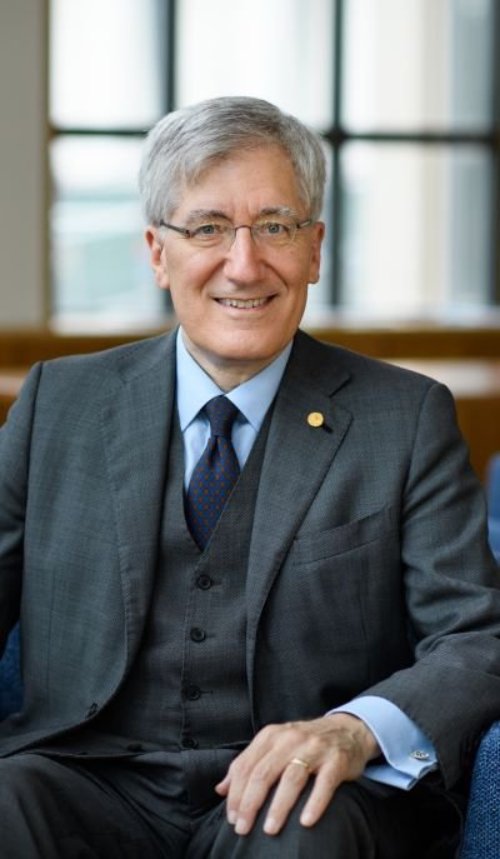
{"points": [[239, 305]]}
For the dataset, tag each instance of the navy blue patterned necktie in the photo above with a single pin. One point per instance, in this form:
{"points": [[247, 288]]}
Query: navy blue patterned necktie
{"points": [[214, 474]]}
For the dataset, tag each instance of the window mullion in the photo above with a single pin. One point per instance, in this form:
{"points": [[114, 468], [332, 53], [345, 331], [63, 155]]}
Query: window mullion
{"points": [[336, 207]]}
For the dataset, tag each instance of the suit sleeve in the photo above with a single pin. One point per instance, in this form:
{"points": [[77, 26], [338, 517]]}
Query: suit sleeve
{"points": [[451, 586], [15, 437]]}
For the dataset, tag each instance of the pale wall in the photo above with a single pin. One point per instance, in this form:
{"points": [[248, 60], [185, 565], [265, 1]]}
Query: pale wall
{"points": [[22, 162]]}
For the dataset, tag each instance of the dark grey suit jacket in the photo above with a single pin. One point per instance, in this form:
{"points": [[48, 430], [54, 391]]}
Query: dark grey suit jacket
{"points": [[368, 571]]}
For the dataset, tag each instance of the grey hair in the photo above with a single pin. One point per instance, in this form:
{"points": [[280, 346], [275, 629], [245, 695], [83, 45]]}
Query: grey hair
{"points": [[186, 142]]}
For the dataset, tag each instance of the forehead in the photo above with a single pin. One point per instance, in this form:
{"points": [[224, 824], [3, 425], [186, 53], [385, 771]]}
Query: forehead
{"points": [[261, 177]]}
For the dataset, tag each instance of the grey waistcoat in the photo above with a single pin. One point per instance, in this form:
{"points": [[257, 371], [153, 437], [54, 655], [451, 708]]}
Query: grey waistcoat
{"points": [[188, 687]]}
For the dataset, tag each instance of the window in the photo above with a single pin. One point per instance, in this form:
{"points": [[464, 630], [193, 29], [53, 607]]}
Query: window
{"points": [[402, 91], [107, 86], [416, 154]]}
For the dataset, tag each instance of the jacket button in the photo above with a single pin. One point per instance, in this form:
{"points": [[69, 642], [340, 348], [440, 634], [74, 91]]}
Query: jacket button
{"points": [[192, 693], [189, 743], [91, 711], [204, 582], [197, 634]]}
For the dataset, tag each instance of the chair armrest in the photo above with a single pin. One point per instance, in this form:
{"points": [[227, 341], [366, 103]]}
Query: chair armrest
{"points": [[494, 536], [11, 692], [482, 826]]}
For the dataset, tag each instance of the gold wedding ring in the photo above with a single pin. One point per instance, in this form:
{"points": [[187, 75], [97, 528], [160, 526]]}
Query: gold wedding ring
{"points": [[301, 763]]}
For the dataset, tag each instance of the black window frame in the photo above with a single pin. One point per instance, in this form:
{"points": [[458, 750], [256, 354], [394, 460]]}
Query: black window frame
{"points": [[338, 135]]}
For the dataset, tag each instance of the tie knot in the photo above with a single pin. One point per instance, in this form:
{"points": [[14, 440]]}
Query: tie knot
{"points": [[221, 413]]}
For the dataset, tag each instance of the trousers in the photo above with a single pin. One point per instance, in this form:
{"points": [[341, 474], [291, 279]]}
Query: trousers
{"points": [[59, 807]]}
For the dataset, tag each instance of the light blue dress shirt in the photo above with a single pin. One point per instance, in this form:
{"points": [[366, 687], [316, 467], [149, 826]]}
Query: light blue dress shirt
{"points": [[253, 398], [408, 753]]}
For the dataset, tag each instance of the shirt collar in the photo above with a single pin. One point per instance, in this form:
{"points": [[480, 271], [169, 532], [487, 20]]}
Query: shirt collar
{"points": [[253, 397]]}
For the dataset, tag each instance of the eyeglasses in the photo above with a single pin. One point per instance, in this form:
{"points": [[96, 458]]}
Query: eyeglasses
{"points": [[276, 233]]}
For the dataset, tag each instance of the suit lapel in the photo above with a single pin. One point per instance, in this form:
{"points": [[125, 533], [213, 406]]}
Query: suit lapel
{"points": [[296, 460], [136, 420]]}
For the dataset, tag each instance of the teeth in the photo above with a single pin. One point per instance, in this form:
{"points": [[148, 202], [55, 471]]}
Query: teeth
{"points": [[238, 302]]}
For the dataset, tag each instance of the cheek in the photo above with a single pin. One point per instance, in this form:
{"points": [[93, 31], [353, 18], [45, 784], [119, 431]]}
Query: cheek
{"points": [[302, 269], [299, 287], [189, 278], [311, 264], [191, 304]]}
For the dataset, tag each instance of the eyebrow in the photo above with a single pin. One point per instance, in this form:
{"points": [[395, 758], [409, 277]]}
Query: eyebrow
{"points": [[207, 214], [285, 211]]}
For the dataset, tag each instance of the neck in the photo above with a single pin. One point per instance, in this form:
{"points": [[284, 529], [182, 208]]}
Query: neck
{"points": [[226, 374]]}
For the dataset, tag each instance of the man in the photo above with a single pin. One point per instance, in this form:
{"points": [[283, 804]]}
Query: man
{"points": [[258, 611]]}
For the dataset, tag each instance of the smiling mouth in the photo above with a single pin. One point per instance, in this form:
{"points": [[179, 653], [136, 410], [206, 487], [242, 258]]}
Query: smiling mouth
{"points": [[244, 304]]}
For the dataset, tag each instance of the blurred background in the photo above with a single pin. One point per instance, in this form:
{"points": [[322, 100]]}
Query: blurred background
{"points": [[403, 92]]}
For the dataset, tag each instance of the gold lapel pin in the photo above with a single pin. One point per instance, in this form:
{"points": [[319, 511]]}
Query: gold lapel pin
{"points": [[315, 419]]}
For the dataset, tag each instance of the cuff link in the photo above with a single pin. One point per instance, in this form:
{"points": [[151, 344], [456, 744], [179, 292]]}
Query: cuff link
{"points": [[419, 755]]}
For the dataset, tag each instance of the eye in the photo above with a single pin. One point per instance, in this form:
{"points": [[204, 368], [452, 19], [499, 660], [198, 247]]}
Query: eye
{"points": [[275, 229], [208, 231]]}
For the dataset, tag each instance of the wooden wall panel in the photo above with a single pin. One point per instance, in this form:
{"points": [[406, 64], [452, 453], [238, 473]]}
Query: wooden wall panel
{"points": [[466, 360], [23, 347]]}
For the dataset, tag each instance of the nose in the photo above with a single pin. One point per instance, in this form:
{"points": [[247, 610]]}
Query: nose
{"points": [[243, 262]]}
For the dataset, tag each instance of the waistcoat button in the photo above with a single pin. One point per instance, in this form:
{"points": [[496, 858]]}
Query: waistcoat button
{"points": [[197, 634], [204, 582], [192, 693]]}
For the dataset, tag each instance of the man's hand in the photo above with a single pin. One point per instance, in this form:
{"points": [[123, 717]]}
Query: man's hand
{"points": [[333, 749]]}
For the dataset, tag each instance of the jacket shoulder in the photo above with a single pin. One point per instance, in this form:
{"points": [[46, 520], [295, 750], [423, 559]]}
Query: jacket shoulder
{"points": [[128, 359], [362, 369]]}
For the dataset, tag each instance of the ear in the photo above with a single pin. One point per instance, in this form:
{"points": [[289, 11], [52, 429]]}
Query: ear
{"points": [[315, 258], [157, 257]]}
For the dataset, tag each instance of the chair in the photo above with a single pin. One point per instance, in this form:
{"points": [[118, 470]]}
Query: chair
{"points": [[482, 827], [11, 692], [492, 487]]}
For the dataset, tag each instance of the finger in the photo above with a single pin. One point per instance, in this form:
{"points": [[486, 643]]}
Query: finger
{"points": [[255, 791], [290, 786], [248, 762], [325, 785], [234, 784], [222, 787]]}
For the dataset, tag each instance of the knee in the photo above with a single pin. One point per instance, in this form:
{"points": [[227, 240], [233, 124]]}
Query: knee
{"points": [[346, 828], [348, 822], [21, 777]]}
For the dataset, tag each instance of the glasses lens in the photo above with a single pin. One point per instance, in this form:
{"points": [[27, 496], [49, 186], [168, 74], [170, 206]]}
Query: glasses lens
{"points": [[211, 234], [275, 232], [268, 233]]}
